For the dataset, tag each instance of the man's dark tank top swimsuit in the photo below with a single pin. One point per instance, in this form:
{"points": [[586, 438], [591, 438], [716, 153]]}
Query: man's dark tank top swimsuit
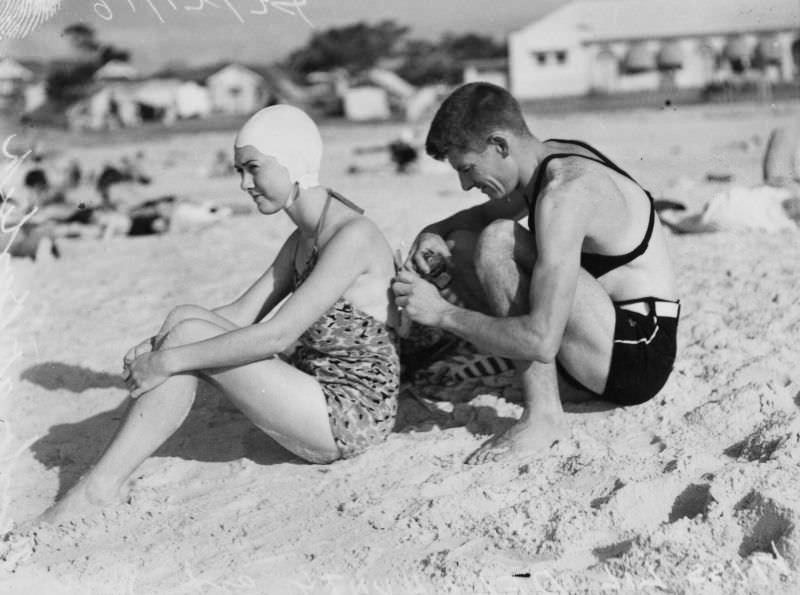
{"points": [[644, 345]]}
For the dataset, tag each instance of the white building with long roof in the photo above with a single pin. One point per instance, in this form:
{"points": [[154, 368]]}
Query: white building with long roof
{"points": [[608, 46]]}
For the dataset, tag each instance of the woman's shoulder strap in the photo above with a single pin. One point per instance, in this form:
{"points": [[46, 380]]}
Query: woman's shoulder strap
{"points": [[345, 201]]}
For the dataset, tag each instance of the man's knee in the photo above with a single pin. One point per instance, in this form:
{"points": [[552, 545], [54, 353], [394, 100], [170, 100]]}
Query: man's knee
{"points": [[462, 247], [494, 246]]}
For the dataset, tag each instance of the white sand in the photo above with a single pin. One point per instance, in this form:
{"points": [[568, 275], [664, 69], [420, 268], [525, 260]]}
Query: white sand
{"points": [[686, 493]]}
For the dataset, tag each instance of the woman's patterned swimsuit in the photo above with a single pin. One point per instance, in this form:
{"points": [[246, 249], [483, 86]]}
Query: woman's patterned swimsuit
{"points": [[355, 359]]}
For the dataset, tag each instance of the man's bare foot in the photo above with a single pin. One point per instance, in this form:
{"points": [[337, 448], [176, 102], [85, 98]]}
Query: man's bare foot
{"points": [[82, 500], [525, 438]]}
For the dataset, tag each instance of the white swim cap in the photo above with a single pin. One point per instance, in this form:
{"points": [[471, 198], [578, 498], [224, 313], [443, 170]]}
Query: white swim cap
{"points": [[291, 137]]}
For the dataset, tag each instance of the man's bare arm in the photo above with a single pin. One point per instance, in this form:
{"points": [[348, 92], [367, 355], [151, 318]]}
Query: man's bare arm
{"points": [[561, 219], [478, 217]]}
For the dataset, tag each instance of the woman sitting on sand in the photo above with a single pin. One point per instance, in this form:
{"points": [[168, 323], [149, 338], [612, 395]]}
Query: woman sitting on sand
{"points": [[338, 395]]}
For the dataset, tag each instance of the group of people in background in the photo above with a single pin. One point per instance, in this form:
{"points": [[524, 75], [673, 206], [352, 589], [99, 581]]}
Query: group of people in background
{"points": [[58, 199]]}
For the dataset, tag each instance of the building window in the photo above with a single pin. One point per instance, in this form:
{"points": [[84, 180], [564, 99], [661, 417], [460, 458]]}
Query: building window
{"points": [[541, 58], [561, 56]]}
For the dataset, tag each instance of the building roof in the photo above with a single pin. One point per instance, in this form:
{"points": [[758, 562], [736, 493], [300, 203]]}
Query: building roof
{"points": [[197, 74], [276, 80], [235, 70], [622, 20], [11, 69], [116, 69]]}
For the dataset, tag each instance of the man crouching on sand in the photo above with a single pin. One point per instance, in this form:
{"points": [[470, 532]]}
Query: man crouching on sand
{"points": [[583, 301]]}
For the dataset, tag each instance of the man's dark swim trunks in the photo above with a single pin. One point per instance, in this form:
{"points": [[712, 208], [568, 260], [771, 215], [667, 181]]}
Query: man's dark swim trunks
{"points": [[643, 353]]}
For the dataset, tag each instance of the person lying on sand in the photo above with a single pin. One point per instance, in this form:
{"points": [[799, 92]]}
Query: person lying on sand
{"points": [[584, 300], [122, 178], [337, 394], [763, 208]]}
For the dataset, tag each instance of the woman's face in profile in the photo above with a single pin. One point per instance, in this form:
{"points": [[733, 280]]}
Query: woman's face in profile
{"points": [[263, 178]]}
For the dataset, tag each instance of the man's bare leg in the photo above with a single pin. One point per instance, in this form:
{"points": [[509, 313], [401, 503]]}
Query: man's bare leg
{"points": [[505, 257], [465, 285], [469, 291]]}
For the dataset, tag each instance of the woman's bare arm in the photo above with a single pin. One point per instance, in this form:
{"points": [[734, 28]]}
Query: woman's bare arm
{"points": [[344, 258], [267, 291], [255, 303]]}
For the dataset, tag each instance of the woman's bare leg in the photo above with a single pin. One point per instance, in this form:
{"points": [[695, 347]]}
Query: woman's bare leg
{"points": [[282, 401], [147, 423], [188, 312]]}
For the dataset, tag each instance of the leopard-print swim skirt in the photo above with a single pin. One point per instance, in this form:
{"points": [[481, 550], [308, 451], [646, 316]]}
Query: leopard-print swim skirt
{"points": [[355, 359]]}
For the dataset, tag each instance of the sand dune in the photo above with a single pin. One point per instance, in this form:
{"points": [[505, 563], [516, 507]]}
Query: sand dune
{"points": [[695, 491]]}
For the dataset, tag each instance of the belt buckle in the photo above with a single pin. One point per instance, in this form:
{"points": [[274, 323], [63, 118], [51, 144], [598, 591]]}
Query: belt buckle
{"points": [[666, 309]]}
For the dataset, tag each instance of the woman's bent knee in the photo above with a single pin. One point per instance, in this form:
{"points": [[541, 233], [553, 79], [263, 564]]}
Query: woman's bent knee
{"points": [[191, 330], [186, 311]]}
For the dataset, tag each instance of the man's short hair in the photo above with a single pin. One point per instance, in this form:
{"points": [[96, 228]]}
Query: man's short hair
{"points": [[469, 115]]}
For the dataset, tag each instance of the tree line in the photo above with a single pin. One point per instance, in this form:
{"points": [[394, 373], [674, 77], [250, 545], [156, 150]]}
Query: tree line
{"points": [[353, 48], [361, 46]]}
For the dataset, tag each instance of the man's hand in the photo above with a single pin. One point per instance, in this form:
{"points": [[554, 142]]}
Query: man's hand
{"points": [[419, 299], [145, 373], [426, 245]]}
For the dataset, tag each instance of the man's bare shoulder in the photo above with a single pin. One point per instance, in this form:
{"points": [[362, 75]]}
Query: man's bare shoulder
{"points": [[573, 170], [573, 181]]}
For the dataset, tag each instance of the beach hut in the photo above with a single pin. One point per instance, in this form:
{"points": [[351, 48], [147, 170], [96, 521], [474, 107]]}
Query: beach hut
{"points": [[157, 99], [640, 58], [366, 103], [14, 77], [737, 52], [35, 96], [768, 52], [279, 86], [12, 73], [236, 89], [670, 56], [192, 100]]}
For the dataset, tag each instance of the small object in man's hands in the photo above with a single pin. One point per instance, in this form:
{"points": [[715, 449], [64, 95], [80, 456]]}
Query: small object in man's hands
{"points": [[438, 274]]}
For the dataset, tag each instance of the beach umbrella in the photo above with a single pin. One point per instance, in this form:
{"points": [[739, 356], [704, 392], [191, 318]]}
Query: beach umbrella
{"points": [[639, 58], [670, 56], [768, 51]]}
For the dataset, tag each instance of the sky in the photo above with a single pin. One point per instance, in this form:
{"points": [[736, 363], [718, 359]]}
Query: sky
{"points": [[205, 31]]}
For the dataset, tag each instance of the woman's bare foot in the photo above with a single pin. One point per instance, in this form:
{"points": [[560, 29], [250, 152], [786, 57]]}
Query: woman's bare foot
{"points": [[526, 438], [82, 500]]}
